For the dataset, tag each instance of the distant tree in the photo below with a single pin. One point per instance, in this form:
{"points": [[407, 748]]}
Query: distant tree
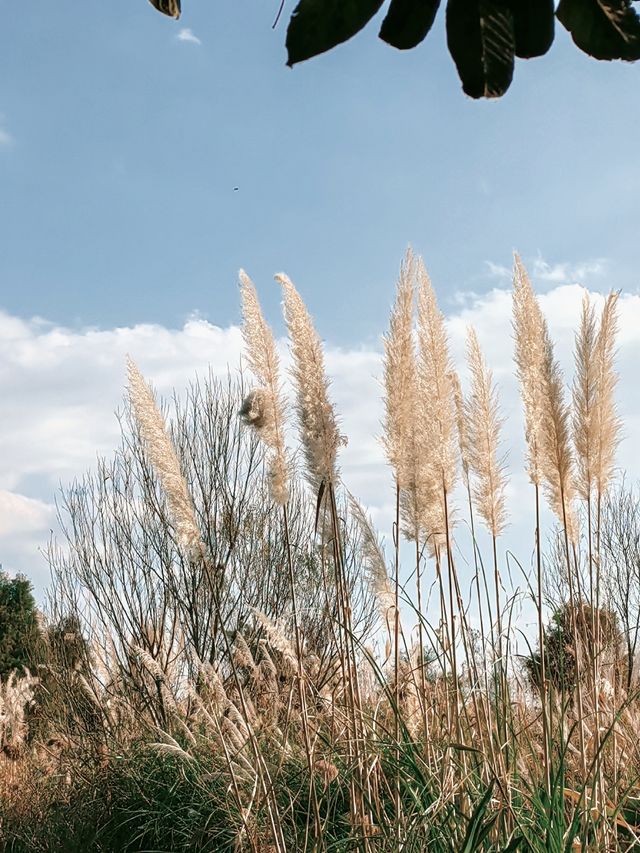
{"points": [[620, 556], [560, 651], [617, 546], [484, 37], [20, 635], [63, 706]]}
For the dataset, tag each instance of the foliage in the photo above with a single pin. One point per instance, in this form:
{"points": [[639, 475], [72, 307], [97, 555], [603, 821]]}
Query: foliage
{"points": [[484, 37], [19, 629], [560, 652]]}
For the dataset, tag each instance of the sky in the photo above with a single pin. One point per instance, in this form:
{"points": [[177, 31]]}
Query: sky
{"points": [[123, 138]]}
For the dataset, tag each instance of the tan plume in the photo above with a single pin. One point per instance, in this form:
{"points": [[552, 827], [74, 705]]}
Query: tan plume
{"points": [[277, 637], [318, 426], [483, 426], [461, 423], [264, 407], [403, 427], [163, 457], [609, 424], [374, 563], [557, 458], [400, 373], [585, 391], [437, 410], [547, 415], [529, 331]]}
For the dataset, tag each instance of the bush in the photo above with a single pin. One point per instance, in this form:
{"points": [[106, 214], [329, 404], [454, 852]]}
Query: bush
{"points": [[19, 629]]}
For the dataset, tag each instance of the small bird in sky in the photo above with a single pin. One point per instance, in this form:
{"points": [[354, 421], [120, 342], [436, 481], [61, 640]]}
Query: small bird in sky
{"points": [[167, 7], [235, 189]]}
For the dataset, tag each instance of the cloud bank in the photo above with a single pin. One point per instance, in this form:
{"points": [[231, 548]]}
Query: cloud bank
{"points": [[188, 35], [60, 388]]}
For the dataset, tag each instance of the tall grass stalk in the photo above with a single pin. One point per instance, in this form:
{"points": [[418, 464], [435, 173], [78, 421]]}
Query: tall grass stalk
{"points": [[163, 456], [311, 719], [269, 424]]}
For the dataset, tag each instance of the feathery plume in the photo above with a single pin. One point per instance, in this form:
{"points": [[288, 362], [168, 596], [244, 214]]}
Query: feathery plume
{"points": [[557, 459], [436, 391], [529, 331], [172, 749], [209, 676], [549, 456], [374, 563], [264, 407], [437, 444], [277, 637], [609, 424], [461, 423], [412, 495], [585, 391], [16, 696], [242, 653], [399, 373], [163, 457], [403, 429], [150, 663], [316, 415], [483, 426]]}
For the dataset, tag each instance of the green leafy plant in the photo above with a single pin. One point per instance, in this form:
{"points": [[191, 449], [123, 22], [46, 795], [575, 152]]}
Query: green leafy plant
{"points": [[484, 37]]}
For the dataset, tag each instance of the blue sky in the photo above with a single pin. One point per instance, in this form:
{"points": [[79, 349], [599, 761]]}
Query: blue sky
{"points": [[125, 144], [120, 230]]}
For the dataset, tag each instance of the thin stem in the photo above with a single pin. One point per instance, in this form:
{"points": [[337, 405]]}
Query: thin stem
{"points": [[396, 661], [301, 687], [543, 652]]}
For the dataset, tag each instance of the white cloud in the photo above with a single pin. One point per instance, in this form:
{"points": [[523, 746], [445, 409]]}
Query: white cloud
{"points": [[566, 273], [498, 270], [19, 514], [186, 34], [60, 387], [24, 529], [558, 273], [5, 137]]}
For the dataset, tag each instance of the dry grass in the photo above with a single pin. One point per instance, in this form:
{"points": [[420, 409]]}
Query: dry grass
{"points": [[369, 741]]}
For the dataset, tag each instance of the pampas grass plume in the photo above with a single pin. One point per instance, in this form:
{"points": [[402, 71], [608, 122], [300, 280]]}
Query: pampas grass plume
{"points": [[318, 426], [609, 423], [264, 407], [483, 427], [374, 563], [400, 375], [162, 456]]}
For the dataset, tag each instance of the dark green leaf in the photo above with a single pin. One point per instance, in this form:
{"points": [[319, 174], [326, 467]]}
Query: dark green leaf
{"points": [[605, 29], [481, 40], [478, 829], [167, 7], [319, 25], [534, 27], [407, 22]]}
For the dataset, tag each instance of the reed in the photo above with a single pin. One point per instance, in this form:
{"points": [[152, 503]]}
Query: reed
{"points": [[353, 701]]}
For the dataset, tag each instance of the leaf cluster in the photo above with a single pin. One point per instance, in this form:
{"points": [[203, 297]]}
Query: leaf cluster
{"points": [[484, 37], [19, 629]]}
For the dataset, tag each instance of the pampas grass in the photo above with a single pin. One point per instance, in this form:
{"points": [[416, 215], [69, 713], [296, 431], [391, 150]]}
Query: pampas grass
{"points": [[162, 455], [318, 426], [480, 441], [400, 399], [285, 739], [264, 407]]}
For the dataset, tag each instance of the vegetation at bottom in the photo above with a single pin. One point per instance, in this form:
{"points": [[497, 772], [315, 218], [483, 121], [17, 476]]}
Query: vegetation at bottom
{"points": [[229, 660]]}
